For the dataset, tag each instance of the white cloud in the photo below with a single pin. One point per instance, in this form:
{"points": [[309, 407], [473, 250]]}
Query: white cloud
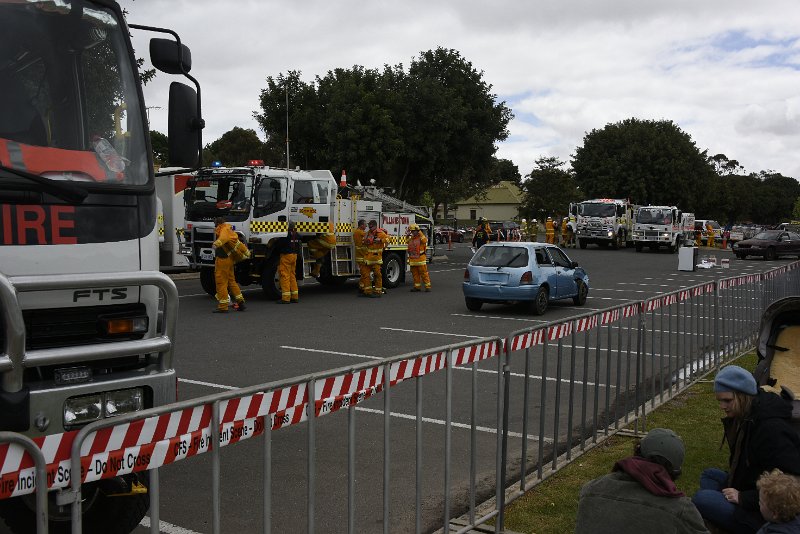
{"points": [[725, 71]]}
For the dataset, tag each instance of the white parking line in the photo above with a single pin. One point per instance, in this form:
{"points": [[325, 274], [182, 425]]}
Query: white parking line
{"points": [[446, 270], [427, 332], [472, 315], [166, 528], [333, 352]]}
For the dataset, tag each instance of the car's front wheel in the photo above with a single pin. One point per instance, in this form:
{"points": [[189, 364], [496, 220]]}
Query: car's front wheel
{"points": [[770, 255], [473, 304], [539, 304], [583, 292]]}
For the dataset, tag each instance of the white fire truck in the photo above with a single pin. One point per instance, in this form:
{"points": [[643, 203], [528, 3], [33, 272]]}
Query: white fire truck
{"points": [[604, 221], [83, 337], [259, 202], [170, 212], [662, 226]]}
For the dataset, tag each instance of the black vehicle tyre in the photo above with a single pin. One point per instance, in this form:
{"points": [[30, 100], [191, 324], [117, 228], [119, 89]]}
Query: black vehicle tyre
{"points": [[270, 281], [539, 304], [639, 247], [207, 280], [582, 243], [583, 292], [741, 256], [392, 270], [674, 248], [102, 513], [473, 304], [770, 255]]}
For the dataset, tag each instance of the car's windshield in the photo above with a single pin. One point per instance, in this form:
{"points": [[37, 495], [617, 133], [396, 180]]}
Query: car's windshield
{"points": [[654, 216], [596, 209], [70, 105], [769, 235], [500, 257]]}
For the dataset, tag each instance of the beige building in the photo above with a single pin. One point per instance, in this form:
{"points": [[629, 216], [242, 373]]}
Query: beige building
{"points": [[500, 202]]}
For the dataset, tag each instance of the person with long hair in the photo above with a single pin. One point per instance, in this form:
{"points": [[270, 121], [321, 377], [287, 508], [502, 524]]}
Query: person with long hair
{"points": [[760, 438]]}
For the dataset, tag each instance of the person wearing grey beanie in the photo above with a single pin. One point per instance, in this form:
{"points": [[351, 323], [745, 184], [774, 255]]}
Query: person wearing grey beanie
{"points": [[760, 438]]}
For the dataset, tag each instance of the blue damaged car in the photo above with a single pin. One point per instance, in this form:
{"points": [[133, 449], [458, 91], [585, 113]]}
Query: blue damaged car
{"points": [[530, 272]]}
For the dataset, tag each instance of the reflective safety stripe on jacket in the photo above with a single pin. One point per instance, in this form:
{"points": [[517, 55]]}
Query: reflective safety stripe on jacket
{"points": [[42, 159], [416, 250], [225, 236], [322, 245]]}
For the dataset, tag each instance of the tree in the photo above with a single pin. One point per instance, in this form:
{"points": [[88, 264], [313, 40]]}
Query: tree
{"points": [[774, 198], [647, 161], [796, 210], [235, 148], [160, 145], [548, 190]]}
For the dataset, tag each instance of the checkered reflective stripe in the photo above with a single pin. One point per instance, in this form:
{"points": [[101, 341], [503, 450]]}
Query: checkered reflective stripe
{"points": [[344, 227], [160, 224], [398, 239], [262, 227], [179, 231]]}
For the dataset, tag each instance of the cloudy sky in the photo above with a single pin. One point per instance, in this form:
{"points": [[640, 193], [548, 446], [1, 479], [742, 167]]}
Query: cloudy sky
{"points": [[726, 71]]}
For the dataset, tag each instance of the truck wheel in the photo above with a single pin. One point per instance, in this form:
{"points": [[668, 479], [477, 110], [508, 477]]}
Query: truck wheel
{"points": [[270, 282], [207, 280], [639, 247], [392, 270], [582, 243], [102, 513]]}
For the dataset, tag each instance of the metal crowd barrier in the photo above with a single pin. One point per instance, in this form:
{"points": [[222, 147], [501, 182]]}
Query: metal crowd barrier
{"points": [[597, 372]]}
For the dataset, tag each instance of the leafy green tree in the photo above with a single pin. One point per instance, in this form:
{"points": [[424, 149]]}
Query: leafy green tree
{"points": [[548, 190], [775, 198], [796, 210], [160, 145], [647, 161], [236, 147]]}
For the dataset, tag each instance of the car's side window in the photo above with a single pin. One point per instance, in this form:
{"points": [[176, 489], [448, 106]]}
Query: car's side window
{"points": [[793, 236], [542, 258], [559, 258]]}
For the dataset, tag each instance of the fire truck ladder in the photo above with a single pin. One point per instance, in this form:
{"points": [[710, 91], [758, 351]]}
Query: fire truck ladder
{"points": [[342, 260], [374, 193]]}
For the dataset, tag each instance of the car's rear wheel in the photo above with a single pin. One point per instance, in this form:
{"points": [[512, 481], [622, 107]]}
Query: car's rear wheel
{"points": [[583, 292], [473, 304], [770, 255], [582, 243], [539, 304], [741, 256]]}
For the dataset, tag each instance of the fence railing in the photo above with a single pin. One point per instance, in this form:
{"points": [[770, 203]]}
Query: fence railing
{"points": [[596, 373]]}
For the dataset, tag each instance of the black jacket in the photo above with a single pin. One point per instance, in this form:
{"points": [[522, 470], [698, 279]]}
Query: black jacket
{"points": [[289, 244], [764, 441]]}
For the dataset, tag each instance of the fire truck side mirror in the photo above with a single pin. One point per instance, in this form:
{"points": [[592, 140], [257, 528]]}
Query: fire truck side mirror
{"points": [[184, 126], [164, 55]]}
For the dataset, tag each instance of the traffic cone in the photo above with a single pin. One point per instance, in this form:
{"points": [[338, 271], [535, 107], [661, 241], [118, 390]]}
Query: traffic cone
{"points": [[343, 179]]}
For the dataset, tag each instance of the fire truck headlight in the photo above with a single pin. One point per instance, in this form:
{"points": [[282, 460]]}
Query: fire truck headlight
{"points": [[82, 410], [124, 401], [611, 233], [665, 234]]}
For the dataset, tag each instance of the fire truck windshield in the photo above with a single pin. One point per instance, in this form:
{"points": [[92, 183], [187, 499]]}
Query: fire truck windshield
{"points": [[216, 196], [69, 100], [654, 216], [597, 209]]}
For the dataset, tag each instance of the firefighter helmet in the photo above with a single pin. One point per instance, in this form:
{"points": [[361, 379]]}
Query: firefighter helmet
{"points": [[412, 227]]}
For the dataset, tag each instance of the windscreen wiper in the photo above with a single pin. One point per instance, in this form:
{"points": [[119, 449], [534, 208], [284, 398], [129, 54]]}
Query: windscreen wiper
{"points": [[512, 260], [66, 191]]}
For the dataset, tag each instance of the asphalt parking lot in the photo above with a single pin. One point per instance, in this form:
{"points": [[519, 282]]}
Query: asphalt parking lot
{"points": [[332, 328]]}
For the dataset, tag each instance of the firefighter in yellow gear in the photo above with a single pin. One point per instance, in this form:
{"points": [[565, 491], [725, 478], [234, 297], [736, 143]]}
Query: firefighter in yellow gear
{"points": [[319, 248], [482, 235], [698, 238], [361, 249], [549, 231], [564, 232], [417, 245], [226, 240], [289, 247], [375, 241], [710, 235]]}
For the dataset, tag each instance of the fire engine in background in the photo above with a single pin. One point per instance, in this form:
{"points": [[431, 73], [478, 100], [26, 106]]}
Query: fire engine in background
{"points": [[170, 212], [83, 338], [604, 221], [259, 202], [662, 226]]}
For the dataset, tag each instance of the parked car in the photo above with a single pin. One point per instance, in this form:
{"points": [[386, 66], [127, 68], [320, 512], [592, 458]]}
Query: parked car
{"points": [[443, 234], [531, 272], [769, 244]]}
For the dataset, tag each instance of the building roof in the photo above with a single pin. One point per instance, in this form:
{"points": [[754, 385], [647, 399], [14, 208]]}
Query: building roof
{"points": [[503, 193]]}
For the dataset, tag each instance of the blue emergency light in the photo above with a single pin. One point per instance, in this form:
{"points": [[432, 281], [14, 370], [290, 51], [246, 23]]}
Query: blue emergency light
{"points": [[216, 164]]}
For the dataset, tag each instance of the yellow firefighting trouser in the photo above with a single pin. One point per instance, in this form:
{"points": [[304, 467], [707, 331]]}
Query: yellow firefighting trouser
{"points": [[377, 281], [710, 239], [226, 282], [550, 237], [697, 239], [361, 265], [420, 274], [286, 270]]}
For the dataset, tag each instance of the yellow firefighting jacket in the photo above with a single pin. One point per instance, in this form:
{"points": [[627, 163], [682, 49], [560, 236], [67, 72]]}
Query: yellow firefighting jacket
{"points": [[322, 245], [416, 249], [358, 242], [375, 241]]}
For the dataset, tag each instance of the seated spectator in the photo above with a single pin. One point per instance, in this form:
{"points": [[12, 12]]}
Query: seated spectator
{"points": [[779, 499], [639, 495], [760, 438]]}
